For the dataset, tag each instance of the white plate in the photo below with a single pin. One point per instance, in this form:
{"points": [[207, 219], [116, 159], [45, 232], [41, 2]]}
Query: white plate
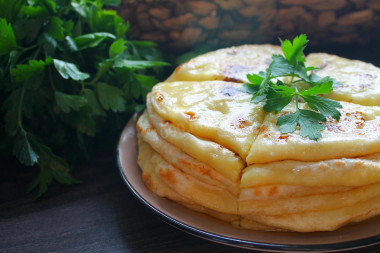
{"points": [[351, 237]]}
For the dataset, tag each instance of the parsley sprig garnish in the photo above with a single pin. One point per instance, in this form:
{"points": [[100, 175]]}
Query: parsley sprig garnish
{"points": [[269, 86]]}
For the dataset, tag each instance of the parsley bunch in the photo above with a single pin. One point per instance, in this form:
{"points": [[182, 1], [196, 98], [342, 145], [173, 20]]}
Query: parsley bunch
{"points": [[68, 71], [270, 86]]}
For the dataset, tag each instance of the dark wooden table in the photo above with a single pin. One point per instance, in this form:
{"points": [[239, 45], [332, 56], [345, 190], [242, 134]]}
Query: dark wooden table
{"points": [[99, 215]]}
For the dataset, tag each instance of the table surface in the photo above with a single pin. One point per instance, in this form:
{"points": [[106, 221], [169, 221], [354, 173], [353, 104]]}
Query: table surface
{"points": [[98, 215]]}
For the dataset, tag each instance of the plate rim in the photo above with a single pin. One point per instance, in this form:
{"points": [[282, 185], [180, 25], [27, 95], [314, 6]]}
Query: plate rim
{"points": [[236, 242]]}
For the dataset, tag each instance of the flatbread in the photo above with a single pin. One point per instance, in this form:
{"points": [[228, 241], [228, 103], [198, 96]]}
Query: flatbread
{"points": [[360, 79], [214, 110], [209, 196], [349, 172], [157, 186], [149, 177], [283, 191], [181, 160], [315, 202], [356, 134], [321, 220], [213, 154], [228, 64]]}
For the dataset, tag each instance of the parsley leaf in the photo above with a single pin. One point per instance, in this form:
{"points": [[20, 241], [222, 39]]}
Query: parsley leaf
{"points": [[314, 79], [91, 40], [134, 64], [278, 94], [306, 119], [280, 66], [7, 37], [278, 97], [110, 97], [326, 106], [24, 72], [23, 150], [294, 51], [69, 70], [67, 102]]}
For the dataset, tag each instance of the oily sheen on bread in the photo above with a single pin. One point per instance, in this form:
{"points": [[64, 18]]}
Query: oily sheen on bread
{"points": [[203, 144]]}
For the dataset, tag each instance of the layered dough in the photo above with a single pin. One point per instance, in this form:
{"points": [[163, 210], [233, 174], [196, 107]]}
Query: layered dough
{"points": [[202, 143]]}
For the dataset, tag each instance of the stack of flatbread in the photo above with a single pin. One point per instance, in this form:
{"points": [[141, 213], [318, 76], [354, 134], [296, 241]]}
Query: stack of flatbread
{"points": [[202, 143]]}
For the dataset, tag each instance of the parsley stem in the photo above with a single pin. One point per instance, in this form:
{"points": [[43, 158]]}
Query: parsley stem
{"points": [[99, 74], [19, 109], [82, 86], [24, 49], [295, 87], [51, 79], [291, 80]]}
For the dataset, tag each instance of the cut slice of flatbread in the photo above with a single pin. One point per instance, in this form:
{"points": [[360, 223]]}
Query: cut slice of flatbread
{"points": [[156, 185], [356, 134], [149, 177], [283, 191], [228, 64], [349, 172], [315, 202], [360, 79], [209, 196], [215, 155], [181, 160], [319, 220], [213, 110]]}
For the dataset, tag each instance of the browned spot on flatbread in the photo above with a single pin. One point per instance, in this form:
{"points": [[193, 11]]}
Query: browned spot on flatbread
{"points": [[159, 96], [273, 191], [220, 147], [168, 176], [359, 164], [323, 166], [263, 128], [232, 79], [147, 179], [338, 163], [142, 130], [283, 138], [196, 168], [180, 66], [333, 127], [191, 115], [239, 122], [257, 192]]}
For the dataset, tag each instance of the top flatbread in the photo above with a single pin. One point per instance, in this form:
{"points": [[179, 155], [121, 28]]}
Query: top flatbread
{"points": [[356, 134], [228, 64], [361, 80], [215, 155], [213, 110]]}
